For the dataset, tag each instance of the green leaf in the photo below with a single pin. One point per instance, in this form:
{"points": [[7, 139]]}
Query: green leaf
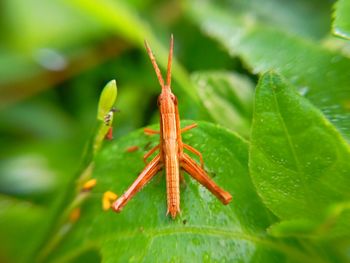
{"points": [[19, 220], [336, 44], [341, 24], [228, 97], [298, 161], [318, 73], [334, 225], [297, 228], [296, 17], [107, 99], [205, 230]]}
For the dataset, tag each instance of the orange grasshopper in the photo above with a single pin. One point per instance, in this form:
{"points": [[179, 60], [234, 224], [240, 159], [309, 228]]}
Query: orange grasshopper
{"points": [[171, 150]]}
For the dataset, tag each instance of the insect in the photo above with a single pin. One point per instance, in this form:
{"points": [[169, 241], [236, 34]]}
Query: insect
{"points": [[108, 122], [171, 154]]}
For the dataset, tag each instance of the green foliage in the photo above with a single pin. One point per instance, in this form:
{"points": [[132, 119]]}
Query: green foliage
{"points": [[227, 97], [341, 24], [107, 99], [318, 73], [118, 17], [299, 162], [205, 230], [11, 213], [105, 110], [281, 149]]}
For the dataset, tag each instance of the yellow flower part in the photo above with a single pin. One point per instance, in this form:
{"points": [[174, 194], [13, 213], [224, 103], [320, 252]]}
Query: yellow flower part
{"points": [[107, 200], [89, 184]]}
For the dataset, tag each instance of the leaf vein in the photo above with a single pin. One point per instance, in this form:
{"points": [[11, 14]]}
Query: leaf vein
{"points": [[290, 143]]}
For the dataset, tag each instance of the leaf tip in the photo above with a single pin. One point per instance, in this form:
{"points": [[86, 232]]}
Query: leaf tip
{"points": [[272, 80]]}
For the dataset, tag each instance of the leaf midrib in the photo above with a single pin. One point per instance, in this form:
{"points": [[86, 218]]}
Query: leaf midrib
{"points": [[300, 171], [152, 234]]}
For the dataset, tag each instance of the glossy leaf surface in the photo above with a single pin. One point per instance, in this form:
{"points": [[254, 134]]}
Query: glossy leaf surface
{"points": [[205, 230], [298, 161], [317, 72], [228, 97], [341, 24]]}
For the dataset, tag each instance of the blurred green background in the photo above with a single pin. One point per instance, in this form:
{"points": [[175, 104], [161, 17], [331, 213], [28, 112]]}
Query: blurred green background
{"points": [[56, 56]]}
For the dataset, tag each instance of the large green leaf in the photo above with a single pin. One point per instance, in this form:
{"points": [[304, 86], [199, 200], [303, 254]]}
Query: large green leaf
{"points": [[341, 24], [298, 161], [204, 231], [318, 73], [297, 16], [228, 97]]}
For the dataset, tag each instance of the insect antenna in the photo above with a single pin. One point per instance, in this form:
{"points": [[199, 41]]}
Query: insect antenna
{"points": [[154, 63], [170, 58]]}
